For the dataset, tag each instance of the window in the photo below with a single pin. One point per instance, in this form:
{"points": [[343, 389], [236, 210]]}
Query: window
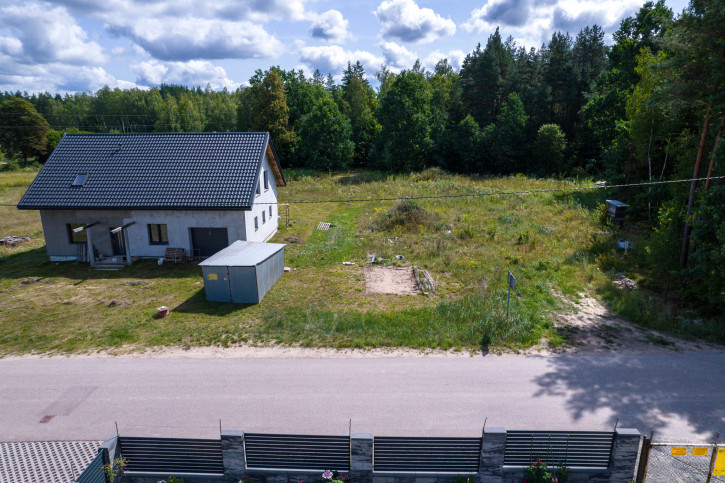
{"points": [[257, 191], [80, 179], [76, 237], [256, 223], [266, 181], [264, 217], [158, 235], [270, 212]]}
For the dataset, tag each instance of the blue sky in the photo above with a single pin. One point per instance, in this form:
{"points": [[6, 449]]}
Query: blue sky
{"points": [[78, 45]]}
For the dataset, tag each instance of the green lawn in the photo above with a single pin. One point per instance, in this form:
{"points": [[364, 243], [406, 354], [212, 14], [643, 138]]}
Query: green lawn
{"points": [[544, 239]]}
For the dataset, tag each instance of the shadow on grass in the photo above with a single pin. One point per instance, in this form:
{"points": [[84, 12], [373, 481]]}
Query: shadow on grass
{"points": [[198, 304], [34, 263], [586, 199], [362, 177]]}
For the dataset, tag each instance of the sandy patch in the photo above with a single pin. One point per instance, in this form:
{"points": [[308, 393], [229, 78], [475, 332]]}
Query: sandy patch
{"points": [[392, 280], [591, 327]]}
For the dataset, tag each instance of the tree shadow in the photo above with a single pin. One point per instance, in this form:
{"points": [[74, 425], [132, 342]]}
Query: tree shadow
{"points": [[587, 199], [198, 304], [362, 177], [642, 391], [34, 263]]}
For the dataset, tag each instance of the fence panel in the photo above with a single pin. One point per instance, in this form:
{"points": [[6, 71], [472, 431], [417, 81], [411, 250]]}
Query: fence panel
{"points": [[572, 449], [93, 472], [173, 456], [454, 455], [301, 452], [680, 462]]}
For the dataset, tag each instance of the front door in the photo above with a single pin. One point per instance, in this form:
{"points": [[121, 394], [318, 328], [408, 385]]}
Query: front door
{"points": [[117, 244]]}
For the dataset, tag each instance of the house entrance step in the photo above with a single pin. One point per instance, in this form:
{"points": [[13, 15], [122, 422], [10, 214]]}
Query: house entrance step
{"points": [[109, 265]]}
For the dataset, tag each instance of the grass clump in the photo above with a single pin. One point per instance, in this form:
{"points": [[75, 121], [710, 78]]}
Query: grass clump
{"points": [[408, 216]]}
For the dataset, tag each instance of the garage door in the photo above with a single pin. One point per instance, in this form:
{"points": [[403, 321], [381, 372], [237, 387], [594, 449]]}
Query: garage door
{"points": [[207, 241]]}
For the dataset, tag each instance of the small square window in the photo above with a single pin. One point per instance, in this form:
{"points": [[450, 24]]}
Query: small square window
{"points": [[256, 223], [264, 217], [266, 181], [80, 179], [158, 234], [76, 236]]}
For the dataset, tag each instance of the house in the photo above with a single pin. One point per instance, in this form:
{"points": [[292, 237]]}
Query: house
{"points": [[130, 196]]}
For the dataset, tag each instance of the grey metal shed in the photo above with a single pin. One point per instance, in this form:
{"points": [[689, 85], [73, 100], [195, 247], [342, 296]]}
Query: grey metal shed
{"points": [[242, 272]]}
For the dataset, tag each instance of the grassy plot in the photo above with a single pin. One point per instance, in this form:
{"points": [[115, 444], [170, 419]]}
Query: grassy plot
{"points": [[467, 244]]}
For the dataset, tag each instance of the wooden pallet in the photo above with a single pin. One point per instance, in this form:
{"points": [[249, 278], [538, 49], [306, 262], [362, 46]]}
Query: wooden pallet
{"points": [[176, 255], [323, 226]]}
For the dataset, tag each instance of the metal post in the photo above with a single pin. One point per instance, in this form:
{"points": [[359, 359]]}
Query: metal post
{"points": [[508, 301], [712, 458]]}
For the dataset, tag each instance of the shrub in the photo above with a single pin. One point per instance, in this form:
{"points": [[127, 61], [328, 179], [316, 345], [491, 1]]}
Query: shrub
{"points": [[431, 174], [408, 215]]}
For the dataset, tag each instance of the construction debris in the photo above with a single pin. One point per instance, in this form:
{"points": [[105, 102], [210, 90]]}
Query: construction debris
{"points": [[12, 241], [348, 263], [287, 269], [424, 280]]}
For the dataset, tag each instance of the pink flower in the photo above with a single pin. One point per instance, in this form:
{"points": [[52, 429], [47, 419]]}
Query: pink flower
{"points": [[327, 475]]}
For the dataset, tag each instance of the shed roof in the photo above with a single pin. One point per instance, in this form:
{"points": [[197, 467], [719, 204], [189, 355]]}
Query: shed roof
{"points": [[243, 254], [193, 171]]}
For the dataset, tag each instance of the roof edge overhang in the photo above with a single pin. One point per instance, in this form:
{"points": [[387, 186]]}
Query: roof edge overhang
{"points": [[276, 167], [141, 208]]}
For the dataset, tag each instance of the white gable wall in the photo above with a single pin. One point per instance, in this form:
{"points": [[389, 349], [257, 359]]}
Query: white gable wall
{"points": [[267, 228]]}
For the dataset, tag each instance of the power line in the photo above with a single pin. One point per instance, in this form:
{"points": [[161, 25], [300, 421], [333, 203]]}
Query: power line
{"points": [[476, 195]]}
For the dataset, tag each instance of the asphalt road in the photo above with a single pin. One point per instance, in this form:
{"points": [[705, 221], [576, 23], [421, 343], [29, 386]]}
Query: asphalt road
{"points": [[677, 395]]}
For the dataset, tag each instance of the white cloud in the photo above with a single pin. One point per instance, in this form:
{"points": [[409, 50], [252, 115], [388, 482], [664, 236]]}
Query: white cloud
{"points": [[406, 21], [332, 59], [187, 38], [35, 33], [531, 22], [330, 26], [397, 57], [455, 59], [191, 73]]}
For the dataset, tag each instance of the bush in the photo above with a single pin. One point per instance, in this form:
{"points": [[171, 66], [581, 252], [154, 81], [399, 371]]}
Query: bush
{"points": [[408, 215], [431, 174]]}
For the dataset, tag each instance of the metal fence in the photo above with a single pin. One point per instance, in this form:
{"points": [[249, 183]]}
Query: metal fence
{"points": [[172, 455], [571, 449], [94, 471], [680, 462], [453, 455], [303, 452]]}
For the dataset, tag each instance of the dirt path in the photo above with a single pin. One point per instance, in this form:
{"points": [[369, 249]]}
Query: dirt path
{"points": [[592, 328]]}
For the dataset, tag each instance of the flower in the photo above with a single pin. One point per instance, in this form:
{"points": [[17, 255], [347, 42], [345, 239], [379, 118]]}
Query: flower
{"points": [[327, 475]]}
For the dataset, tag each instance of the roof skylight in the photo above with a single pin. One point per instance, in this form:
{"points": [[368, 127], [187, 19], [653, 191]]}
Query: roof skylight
{"points": [[80, 179]]}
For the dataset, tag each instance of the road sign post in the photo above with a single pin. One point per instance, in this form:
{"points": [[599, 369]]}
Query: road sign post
{"points": [[512, 284]]}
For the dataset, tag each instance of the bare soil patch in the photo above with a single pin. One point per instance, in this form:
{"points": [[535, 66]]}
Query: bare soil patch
{"points": [[390, 280], [591, 327]]}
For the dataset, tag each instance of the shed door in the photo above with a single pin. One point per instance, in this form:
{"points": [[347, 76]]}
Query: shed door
{"points": [[216, 284], [207, 241], [243, 286]]}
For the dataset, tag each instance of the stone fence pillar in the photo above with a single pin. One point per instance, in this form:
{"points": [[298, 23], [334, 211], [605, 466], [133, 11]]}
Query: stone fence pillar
{"points": [[361, 457], [233, 457], [492, 449], [624, 454]]}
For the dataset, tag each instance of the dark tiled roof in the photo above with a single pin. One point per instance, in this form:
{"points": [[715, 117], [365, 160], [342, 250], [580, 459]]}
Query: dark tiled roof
{"points": [[150, 171]]}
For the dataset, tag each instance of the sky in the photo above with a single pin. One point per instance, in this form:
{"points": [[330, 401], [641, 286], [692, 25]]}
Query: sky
{"points": [[65, 46]]}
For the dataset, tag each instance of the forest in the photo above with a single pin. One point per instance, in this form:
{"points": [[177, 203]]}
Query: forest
{"points": [[649, 107]]}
